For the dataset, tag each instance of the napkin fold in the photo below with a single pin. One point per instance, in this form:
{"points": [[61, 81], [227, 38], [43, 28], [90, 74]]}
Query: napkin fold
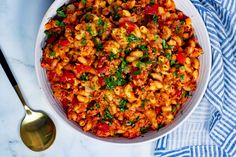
{"points": [[211, 129]]}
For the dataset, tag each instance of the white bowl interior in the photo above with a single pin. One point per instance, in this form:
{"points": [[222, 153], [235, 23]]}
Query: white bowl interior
{"points": [[205, 61]]}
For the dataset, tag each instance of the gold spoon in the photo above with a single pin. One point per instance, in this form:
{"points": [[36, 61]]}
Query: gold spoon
{"points": [[37, 130]]}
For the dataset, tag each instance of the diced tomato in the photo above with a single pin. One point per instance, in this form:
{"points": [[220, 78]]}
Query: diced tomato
{"points": [[67, 77], [80, 68], [101, 81], [74, 101], [178, 93], [151, 10], [158, 110], [104, 127], [51, 39], [51, 75], [63, 42], [102, 69], [129, 26], [180, 58], [101, 61]]}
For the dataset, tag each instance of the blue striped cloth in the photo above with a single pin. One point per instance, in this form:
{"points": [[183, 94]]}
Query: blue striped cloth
{"points": [[211, 129]]}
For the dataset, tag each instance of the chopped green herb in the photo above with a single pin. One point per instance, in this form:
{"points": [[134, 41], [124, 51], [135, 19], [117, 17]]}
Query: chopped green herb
{"points": [[48, 33], [100, 22], [127, 51], [172, 62], [60, 13], [143, 103], [89, 29], [173, 109], [137, 72], [51, 54], [83, 1], [123, 64], [143, 130], [168, 56], [176, 29], [60, 23], [107, 114], [152, 2], [123, 105], [132, 122], [98, 45], [97, 105], [84, 41], [124, 1], [87, 17], [186, 94], [182, 76], [133, 38], [160, 126], [84, 77], [177, 65], [105, 25], [110, 83], [139, 64], [164, 44], [175, 74], [154, 50], [182, 23], [116, 15], [142, 47], [112, 56], [155, 19]]}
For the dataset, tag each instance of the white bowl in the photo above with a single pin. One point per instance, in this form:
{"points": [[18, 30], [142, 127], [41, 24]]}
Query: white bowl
{"points": [[205, 61]]}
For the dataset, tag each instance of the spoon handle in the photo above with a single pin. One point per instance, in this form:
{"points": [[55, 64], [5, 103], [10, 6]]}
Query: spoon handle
{"points": [[7, 69], [12, 80]]}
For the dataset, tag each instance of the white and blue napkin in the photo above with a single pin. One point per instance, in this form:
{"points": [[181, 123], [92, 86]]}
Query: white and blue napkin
{"points": [[211, 129]]}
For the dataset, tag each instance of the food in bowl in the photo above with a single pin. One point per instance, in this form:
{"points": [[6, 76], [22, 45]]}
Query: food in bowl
{"points": [[121, 68]]}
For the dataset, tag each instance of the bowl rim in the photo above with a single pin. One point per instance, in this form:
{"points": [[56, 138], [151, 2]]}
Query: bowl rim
{"points": [[55, 109]]}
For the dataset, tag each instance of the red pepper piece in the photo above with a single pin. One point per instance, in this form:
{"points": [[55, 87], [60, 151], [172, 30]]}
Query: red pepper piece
{"points": [[102, 69], [101, 81], [180, 58], [80, 68], [129, 26], [104, 127], [67, 77], [63, 42], [151, 10]]}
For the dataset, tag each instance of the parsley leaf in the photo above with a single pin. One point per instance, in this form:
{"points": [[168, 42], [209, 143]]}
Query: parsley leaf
{"points": [[164, 44], [168, 56], [112, 56], [182, 76], [48, 33], [60, 23], [176, 29], [123, 105], [137, 72], [142, 47], [100, 22], [52, 54], [155, 19], [84, 41], [133, 38], [107, 114], [84, 77], [60, 13], [143, 130], [98, 45], [83, 1]]}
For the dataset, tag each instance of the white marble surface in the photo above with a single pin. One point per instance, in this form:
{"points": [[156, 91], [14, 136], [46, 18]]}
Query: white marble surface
{"points": [[19, 22]]}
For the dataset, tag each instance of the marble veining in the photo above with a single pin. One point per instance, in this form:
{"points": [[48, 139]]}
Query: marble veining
{"points": [[20, 20]]}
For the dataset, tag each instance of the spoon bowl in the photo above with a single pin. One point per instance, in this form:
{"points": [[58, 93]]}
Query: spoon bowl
{"points": [[37, 130]]}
